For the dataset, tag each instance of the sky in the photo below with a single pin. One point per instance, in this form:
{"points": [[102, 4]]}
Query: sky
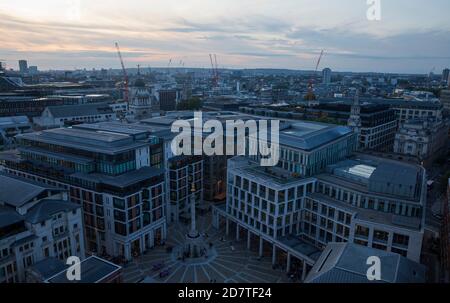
{"points": [[412, 36]]}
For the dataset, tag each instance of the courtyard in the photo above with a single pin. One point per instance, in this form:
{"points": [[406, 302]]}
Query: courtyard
{"points": [[228, 261]]}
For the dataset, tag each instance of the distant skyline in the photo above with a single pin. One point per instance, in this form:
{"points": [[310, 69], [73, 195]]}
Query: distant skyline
{"points": [[413, 36]]}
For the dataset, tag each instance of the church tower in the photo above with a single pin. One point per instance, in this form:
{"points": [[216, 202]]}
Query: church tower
{"points": [[354, 122], [142, 103]]}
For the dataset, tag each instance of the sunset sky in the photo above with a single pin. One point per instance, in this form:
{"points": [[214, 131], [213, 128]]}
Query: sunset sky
{"points": [[413, 36]]}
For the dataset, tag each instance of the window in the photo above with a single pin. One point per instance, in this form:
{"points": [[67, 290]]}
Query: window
{"points": [[27, 261], [400, 240], [341, 216], [324, 210], [402, 252], [379, 246], [360, 242], [330, 212], [380, 236], [119, 203], [120, 229], [348, 219], [362, 231]]}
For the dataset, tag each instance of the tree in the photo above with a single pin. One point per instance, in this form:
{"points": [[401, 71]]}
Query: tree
{"points": [[194, 103]]}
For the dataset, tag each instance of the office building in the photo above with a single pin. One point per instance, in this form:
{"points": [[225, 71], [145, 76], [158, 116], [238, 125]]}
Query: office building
{"points": [[445, 100], [306, 148], [405, 109], [426, 140], [326, 76], [106, 172], [445, 235], [185, 173], [30, 106], [378, 122], [445, 76], [265, 203], [168, 99], [23, 66], [412, 110], [33, 70], [66, 115], [36, 222], [370, 201]]}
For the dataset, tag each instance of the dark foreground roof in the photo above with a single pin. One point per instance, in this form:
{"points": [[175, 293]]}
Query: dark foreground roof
{"points": [[47, 208], [16, 191], [347, 263], [93, 270], [62, 111], [48, 267]]}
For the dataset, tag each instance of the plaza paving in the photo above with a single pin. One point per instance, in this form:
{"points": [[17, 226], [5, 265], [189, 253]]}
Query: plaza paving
{"points": [[225, 266]]}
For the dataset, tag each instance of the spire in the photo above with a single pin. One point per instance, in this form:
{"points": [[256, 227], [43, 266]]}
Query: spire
{"points": [[139, 69], [356, 99], [354, 121]]}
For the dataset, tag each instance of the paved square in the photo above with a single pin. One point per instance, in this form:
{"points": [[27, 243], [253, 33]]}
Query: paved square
{"points": [[227, 266]]}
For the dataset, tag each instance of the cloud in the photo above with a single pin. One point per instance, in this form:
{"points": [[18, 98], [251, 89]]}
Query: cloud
{"points": [[245, 36]]}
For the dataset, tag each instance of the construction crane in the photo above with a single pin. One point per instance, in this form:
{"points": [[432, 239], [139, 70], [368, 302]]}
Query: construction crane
{"points": [[217, 69], [318, 62], [310, 95], [215, 75], [125, 75]]}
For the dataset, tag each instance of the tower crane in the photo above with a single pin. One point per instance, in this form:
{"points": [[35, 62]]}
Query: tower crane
{"points": [[125, 75], [310, 95], [217, 68]]}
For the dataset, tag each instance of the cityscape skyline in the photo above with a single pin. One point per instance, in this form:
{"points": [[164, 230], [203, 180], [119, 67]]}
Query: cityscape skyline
{"points": [[235, 142], [77, 34]]}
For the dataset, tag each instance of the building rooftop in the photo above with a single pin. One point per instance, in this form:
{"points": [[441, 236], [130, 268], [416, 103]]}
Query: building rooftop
{"points": [[311, 135], [13, 121], [89, 109], [9, 216], [46, 208], [93, 270], [397, 102], [48, 267], [301, 246], [117, 127], [94, 141], [122, 180], [377, 175], [16, 192], [347, 263], [371, 215], [272, 177]]}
